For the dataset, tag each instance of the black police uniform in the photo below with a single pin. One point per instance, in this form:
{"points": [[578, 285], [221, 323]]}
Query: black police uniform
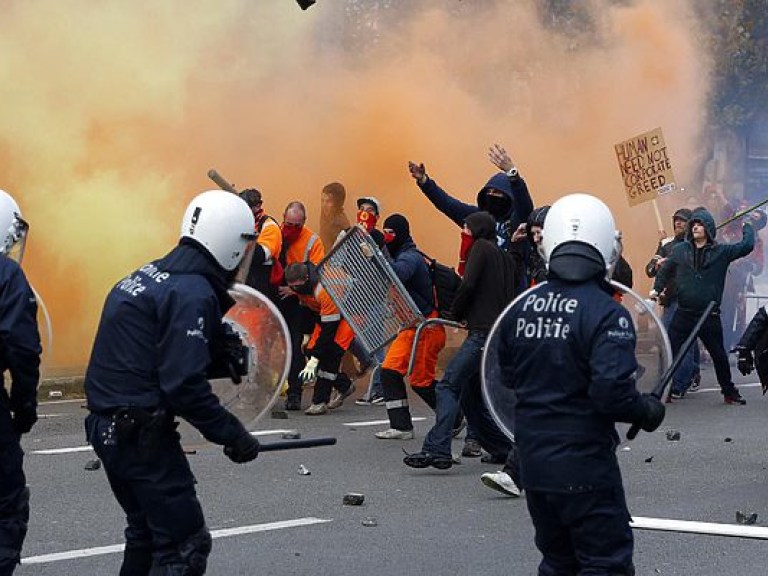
{"points": [[568, 349], [20, 355], [154, 344]]}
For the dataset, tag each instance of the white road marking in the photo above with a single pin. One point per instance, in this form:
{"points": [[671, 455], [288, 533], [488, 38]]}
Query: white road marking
{"points": [[53, 451], [711, 528], [378, 422], [223, 533]]}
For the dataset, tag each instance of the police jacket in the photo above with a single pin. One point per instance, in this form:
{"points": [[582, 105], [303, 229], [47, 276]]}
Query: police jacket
{"points": [[154, 342], [19, 345], [700, 272], [568, 350]]}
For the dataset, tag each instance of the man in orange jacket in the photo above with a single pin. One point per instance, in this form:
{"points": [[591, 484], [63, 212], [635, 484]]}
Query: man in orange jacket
{"points": [[330, 339], [300, 244]]}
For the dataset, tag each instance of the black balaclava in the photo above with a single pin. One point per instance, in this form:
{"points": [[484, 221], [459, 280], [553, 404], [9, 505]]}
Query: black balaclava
{"points": [[399, 225]]}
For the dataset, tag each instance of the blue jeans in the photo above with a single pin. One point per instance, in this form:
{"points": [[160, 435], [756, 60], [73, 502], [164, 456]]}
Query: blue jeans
{"points": [[681, 380], [460, 387]]}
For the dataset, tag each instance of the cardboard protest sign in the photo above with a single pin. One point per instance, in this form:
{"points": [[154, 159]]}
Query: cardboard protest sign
{"points": [[645, 167]]}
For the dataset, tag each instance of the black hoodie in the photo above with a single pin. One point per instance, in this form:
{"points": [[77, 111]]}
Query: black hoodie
{"points": [[489, 278]]}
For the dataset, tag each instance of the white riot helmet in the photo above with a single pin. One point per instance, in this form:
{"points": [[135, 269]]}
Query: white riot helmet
{"points": [[573, 223], [222, 223], [13, 228]]}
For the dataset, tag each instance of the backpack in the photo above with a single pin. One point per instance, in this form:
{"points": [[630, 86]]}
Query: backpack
{"points": [[445, 284]]}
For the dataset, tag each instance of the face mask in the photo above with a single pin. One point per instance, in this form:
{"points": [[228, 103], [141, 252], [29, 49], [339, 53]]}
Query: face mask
{"points": [[389, 237], [257, 214], [466, 243], [497, 206], [291, 233], [303, 289], [367, 220]]}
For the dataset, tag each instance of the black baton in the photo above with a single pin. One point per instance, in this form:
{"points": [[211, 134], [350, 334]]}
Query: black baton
{"points": [[298, 443]]}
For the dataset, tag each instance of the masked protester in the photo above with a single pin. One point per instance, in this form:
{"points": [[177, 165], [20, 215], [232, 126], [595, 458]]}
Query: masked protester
{"points": [[20, 343], [573, 381], [505, 196], [300, 244], [487, 287], [160, 334], [411, 268], [261, 268], [699, 266], [368, 212], [330, 338]]}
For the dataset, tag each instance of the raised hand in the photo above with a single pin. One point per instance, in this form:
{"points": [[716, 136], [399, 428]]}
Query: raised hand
{"points": [[499, 158]]}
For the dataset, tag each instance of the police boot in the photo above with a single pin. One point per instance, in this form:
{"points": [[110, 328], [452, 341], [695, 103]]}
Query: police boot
{"points": [[136, 562], [396, 400]]}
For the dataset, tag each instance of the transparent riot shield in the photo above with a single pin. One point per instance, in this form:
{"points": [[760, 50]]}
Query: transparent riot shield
{"points": [[653, 352], [264, 332], [45, 328]]}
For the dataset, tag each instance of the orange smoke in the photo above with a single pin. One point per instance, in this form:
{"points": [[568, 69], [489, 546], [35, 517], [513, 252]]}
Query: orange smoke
{"points": [[110, 125]]}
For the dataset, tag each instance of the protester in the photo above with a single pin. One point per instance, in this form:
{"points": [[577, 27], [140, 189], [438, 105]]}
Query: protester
{"points": [[699, 266], [411, 269], [300, 244], [330, 338], [261, 268], [487, 287], [688, 377]]}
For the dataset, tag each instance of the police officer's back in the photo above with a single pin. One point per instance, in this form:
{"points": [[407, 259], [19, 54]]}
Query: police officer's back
{"points": [[20, 356], [160, 333]]}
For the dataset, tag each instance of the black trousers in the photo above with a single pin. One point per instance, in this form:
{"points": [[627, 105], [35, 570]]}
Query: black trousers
{"points": [[156, 489], [14, 504], [585, 534], [711, 335]]}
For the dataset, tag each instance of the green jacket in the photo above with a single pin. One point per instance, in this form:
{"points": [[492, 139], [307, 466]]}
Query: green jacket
{"points": [[700, 272]]}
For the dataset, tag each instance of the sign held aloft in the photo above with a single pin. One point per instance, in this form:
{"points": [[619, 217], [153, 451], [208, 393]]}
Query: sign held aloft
{"points": [[645, 167]]}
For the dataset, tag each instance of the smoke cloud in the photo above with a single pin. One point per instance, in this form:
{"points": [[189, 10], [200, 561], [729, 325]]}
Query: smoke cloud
{"points": [[113, 113]]}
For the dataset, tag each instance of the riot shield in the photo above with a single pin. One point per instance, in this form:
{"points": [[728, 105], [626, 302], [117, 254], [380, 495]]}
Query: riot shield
{"points": [[45, 328], [653, 352], [264, 332]]}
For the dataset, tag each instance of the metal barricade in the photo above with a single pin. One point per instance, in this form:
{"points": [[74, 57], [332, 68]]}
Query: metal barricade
{"points": [[367, 291], [369, 294]]}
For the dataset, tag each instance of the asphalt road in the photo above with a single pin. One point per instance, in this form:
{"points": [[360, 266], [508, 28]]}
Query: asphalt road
{"points": [[269, 519]]}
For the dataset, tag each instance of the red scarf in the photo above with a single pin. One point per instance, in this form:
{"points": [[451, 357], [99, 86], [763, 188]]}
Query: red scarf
{"points": [[367, 220], [466, 243], [291, 233]]}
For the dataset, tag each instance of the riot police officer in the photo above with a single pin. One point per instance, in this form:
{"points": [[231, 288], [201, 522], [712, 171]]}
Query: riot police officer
{"points": [[568, 350], [20, 356], [160, 333]]}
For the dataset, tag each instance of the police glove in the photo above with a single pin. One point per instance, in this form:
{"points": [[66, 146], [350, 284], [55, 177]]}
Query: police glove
{"points": [[310, 370], [652, 417], [24, 419], [242, 450], [745, 362]]}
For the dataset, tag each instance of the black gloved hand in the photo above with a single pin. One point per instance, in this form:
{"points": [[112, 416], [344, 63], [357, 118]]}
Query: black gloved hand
{"points": [[242, 450], [651, 418], [745, 362], [229, 357], [654, 413], [24, 419]]}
